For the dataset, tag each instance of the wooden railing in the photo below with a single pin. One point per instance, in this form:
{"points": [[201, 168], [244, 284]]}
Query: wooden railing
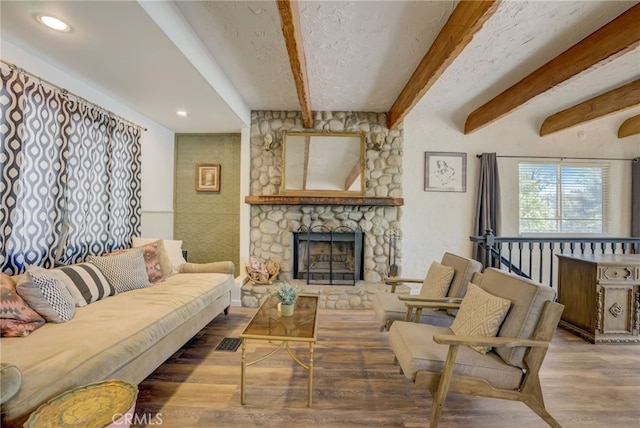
{"points": [[535, 258]]}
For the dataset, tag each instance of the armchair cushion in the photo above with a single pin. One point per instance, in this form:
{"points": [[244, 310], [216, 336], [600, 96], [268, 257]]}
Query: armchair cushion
{"points": [[480, 314], [415, 350], [464, 268], [389, 307], [437, 281], [527, 301]]}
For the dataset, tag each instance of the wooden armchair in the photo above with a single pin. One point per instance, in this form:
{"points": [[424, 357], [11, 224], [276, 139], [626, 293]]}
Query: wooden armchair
{"points": [[391, 306], [436, 359]]}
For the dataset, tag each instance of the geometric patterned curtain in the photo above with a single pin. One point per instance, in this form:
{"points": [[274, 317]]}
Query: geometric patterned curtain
{"points": [[69, 179]]}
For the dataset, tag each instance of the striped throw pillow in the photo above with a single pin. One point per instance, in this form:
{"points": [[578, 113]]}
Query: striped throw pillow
{"points": [[85, 282]]}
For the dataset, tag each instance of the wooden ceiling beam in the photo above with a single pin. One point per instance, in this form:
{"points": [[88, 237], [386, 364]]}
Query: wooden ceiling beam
{"points": [[630, 126], [291, 30], [466, 19], [621, 98], [613, 39]]}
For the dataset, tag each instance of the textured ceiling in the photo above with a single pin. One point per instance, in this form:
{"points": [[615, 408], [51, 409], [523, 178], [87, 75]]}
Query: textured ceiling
{"points": [[359, 54]]}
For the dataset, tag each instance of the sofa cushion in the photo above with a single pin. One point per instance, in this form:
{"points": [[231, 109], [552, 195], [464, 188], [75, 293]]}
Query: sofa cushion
{"points": [[415, 350], [527, 301], [17, 319], [125, 271], [85, 283], [46, 295], [436, 283], [480, 315]]}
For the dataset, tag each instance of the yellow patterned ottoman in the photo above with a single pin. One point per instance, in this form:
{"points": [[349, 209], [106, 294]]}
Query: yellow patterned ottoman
{"points": [[109, 403]]}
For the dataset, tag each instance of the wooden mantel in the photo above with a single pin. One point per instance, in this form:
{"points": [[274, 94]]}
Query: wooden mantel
{"points": [[385, 201]]}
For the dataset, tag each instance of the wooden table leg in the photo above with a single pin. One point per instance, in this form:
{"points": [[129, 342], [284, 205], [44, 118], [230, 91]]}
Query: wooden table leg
{"points": [[243, 367], [310, 385]]}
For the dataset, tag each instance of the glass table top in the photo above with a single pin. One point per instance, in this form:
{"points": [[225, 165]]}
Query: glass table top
{"points": [[268, 323]]}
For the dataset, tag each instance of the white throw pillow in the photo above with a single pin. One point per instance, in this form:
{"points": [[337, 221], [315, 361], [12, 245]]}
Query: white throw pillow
{"points": [[174, 251], [480, 314]]}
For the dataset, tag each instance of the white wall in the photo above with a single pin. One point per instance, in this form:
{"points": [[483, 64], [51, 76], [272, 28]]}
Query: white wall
{"points": [[157, 142], [435, 222]]}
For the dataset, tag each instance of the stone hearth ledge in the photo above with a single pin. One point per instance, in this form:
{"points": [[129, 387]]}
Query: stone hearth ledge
{"points": [[356, 296]]}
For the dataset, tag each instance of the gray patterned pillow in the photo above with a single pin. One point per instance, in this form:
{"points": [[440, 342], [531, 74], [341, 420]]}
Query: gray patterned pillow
{"points": [[46, 295], [125, 271]]}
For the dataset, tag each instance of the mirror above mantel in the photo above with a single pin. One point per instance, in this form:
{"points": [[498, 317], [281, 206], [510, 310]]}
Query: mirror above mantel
{"points": [[323, 168], [323, 164]]}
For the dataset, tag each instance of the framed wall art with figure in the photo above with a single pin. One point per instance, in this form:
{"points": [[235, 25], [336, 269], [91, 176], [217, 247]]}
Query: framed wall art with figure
{"points": [[208, 177], [445, 172]]}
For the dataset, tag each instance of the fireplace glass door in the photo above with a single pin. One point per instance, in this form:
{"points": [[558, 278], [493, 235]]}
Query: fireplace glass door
{"points": [[329, 258]]}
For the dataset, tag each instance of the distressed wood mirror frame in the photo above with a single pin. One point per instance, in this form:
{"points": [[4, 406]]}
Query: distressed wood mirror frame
{"points": [[323, 164]]}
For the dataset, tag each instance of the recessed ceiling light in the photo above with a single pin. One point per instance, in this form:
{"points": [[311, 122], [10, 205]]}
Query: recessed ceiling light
{"points": [[53, 22], [182, 113]]}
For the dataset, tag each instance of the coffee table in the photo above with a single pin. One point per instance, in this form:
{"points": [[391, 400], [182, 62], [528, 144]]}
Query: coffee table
{"points": [[268, 324]]}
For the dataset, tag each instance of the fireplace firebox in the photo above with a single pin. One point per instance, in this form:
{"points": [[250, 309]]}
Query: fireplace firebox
{"points": [[328, 257]]}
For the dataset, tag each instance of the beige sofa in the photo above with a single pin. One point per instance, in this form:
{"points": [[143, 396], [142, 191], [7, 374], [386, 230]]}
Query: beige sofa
{"points": [[125, 336]]}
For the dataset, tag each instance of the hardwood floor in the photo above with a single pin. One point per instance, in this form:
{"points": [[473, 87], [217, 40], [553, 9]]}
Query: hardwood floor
{"points": [[356, 384]]}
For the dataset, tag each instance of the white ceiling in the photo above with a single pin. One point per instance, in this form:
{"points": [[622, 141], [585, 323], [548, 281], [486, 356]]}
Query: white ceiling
{"points": [[220, 59]]}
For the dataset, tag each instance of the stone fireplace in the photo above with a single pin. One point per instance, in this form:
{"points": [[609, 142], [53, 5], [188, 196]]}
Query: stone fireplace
{"points": [[272, 226]]}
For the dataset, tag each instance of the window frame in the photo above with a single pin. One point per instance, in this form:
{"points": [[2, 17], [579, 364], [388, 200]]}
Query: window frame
{"points": [[605, 171]]}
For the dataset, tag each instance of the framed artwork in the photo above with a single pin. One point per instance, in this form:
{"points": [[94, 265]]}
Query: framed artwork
{"points": [[445, 172], [208, 177]]}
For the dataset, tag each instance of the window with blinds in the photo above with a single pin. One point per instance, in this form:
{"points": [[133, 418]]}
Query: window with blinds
{"points": [[563, 198]]}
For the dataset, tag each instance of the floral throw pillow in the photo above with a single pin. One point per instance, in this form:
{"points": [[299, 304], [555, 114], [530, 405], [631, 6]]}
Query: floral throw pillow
{"points": [[152, 262], [17, 319]]}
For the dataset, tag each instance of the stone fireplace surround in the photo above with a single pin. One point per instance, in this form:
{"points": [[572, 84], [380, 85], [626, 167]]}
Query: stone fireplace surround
{"points": [[272, 226]]}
